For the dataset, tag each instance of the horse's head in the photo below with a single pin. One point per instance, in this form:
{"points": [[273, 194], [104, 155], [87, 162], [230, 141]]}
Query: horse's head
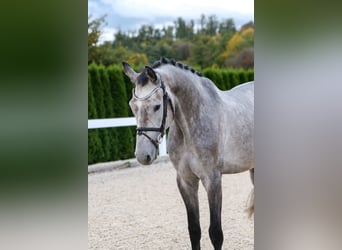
{"points": [[150, 107]]}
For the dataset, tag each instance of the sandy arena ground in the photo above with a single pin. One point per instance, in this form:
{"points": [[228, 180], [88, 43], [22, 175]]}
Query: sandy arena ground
{"points": [[141, 208]]}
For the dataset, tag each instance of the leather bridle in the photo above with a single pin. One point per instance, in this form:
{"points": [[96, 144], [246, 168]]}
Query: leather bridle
{"points": [[161, 129]]}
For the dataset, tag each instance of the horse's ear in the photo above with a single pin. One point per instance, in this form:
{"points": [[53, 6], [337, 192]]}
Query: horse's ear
{"points": [[129, 72], [151, 74]]}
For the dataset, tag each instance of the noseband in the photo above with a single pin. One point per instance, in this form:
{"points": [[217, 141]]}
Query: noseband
{"points": [[161, 129]]}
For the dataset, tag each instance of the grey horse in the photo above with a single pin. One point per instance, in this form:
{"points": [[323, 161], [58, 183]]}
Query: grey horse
{"points": [[210, 134]]}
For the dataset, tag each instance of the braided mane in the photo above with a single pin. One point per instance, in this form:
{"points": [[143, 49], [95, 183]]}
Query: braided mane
{"points": [[164, 60]]}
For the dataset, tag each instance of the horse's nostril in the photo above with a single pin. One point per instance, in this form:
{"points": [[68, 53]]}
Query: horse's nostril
{"points": [[148, 158]]}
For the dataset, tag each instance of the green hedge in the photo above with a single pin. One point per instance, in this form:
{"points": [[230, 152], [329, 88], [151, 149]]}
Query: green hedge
{"points": [[95, 151], [226, 79], [119, 94], [109, 91]]}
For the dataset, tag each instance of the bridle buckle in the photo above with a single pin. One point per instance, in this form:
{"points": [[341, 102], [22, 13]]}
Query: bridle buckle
{"points": [[159, 139]]}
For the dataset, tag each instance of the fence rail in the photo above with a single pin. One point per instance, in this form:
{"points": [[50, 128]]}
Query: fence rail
{"points": [[121, 122]]}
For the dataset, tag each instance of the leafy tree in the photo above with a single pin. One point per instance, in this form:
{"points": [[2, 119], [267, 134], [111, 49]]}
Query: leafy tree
{"points": [[145, 34], [202, 23], [239, 49], [227, 27], [167, 33], [216, 43], [204, 51], [247, 25], [137, 59], [212, 25], [182, 50], [105, 54], [248, 35], [226, 30], [165, 50], [94, 33], [233, 45], [129, 40], [180, 26], [244, 58]]}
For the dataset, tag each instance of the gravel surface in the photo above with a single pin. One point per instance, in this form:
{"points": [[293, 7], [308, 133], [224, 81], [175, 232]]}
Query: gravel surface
{"points": [[141, 208]]}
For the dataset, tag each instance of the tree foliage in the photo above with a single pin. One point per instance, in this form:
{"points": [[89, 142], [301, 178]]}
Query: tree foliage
{"points": [[206, 42], [94, 33], [239, 49]]}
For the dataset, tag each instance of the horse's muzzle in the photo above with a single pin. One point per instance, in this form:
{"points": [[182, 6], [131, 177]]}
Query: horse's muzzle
{"points": [[146, 158]]}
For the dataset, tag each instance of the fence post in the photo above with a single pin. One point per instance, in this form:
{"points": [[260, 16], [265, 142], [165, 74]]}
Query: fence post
{"points": [[162, 148]]}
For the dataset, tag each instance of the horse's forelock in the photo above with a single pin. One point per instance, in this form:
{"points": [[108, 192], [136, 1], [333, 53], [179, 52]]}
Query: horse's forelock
{"points": [[142, 79]]}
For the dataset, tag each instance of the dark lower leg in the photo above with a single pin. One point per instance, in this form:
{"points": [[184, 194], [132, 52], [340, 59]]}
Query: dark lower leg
{"points": [[189, 192], [215, 206], [194, 229]]}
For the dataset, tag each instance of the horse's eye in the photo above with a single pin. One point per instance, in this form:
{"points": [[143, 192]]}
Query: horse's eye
{"points": [[157, 107]]}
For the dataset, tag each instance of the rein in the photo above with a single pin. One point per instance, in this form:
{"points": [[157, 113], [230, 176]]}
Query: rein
{"points": [[161, 129]]}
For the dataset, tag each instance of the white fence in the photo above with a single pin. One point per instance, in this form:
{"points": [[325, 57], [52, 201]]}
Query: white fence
{"points": [[121, 122]]}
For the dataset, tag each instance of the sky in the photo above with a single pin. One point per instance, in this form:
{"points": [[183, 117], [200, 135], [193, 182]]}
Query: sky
{"points": [[129, 15]]}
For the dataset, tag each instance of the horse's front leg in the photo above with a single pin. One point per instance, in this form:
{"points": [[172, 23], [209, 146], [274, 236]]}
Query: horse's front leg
{"points": [[213, 186], [188, 187]]}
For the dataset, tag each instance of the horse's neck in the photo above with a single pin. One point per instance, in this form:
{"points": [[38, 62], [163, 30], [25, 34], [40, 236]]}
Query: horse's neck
{"points": [[195, 100]]}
